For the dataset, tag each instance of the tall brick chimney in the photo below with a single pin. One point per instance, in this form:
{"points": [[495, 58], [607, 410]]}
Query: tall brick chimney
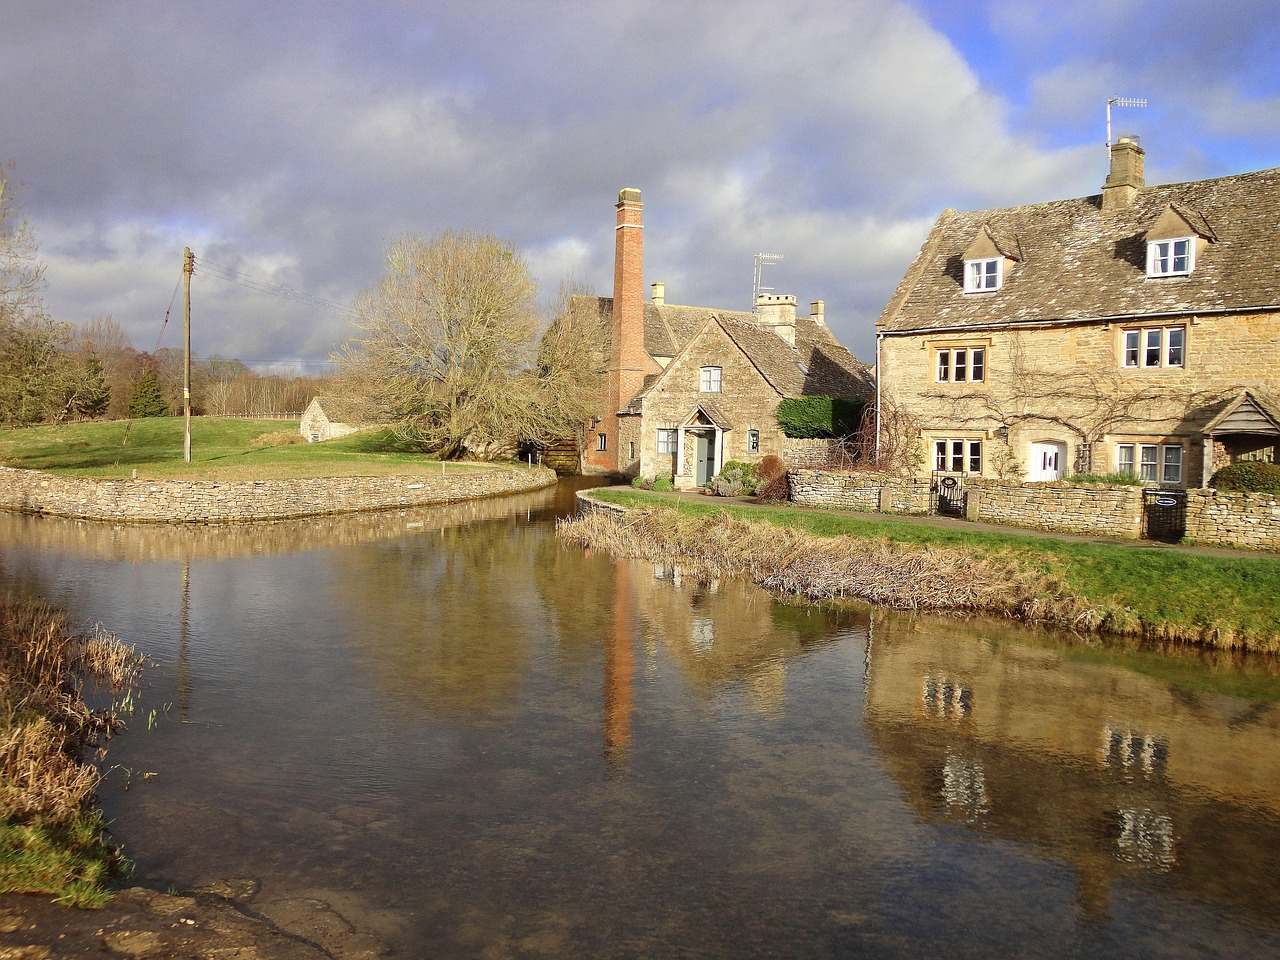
{"points": [[1125, 178], [628, 362]]}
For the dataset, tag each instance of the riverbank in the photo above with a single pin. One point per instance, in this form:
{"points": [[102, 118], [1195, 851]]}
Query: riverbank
{"points": [[248, 501], [1212, 598]]}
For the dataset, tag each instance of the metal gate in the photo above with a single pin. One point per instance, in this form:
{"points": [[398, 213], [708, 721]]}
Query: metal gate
{"points": [[1164, 515], [948, 495]]}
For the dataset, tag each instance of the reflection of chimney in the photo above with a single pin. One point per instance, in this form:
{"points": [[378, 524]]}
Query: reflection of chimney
{"points": [[778, 313], [1125, 179], [619, 666], [818, 312], [659, 294]]}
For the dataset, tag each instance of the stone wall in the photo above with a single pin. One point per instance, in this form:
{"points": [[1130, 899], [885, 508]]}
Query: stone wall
{"points": [[1213, 518], [207, 501], [1234, 519]]}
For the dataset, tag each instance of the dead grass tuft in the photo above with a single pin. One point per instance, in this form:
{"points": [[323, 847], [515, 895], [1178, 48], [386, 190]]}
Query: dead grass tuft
{"points": [[280, 438]]}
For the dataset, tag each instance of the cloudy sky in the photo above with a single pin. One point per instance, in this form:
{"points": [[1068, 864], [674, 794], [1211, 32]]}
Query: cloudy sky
{"points": [[290, 141]]}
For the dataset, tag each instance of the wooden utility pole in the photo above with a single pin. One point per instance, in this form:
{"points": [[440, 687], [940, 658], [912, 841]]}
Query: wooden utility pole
{"points": [[188, 268]]}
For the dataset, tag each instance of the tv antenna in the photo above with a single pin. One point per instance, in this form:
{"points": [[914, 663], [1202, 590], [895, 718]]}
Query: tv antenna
{"points": [[757, 286], [1120, 102]]}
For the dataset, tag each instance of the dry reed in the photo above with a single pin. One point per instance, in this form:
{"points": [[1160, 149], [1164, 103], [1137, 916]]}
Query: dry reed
{"points": [[792, 562]]}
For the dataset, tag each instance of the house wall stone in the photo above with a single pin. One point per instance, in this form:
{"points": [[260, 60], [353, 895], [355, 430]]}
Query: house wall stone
{"points": [[1068, 384], [745, 398], [205, 501]]}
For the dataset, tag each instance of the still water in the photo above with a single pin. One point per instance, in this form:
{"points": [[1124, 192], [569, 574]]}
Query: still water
{"points": [[475, 742]]}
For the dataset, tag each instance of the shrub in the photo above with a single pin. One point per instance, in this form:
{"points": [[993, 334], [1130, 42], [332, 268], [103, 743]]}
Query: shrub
{"points": [[663, 484], [640, 483], [771, 467], [1248, 475], [819, 417], [735, 479]]}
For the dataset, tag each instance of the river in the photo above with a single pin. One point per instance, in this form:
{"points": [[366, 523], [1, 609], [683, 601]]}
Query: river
{"points": [[473, 741]]}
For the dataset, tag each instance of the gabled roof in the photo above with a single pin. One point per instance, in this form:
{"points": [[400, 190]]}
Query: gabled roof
{"points": [[816, 366], [1079, 263], [667, 328], [1246, 412]]}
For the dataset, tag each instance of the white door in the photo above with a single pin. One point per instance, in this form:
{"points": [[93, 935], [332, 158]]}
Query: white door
{"points": [[1048, 461]]}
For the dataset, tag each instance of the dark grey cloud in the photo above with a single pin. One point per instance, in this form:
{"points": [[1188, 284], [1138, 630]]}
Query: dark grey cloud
{"points": [[294, 141]]}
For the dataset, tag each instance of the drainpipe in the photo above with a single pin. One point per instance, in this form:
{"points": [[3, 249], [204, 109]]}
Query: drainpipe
{"points": [[879, 339]]}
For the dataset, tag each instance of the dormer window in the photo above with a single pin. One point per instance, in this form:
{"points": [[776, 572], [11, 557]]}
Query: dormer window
{"points": [[982, 276], [986, 259], [1171, 258]]}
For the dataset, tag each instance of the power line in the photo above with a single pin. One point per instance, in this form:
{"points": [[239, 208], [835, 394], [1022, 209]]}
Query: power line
{"points": [[278, 290]]}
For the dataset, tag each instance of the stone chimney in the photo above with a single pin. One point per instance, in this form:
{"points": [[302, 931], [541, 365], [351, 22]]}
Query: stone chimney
{"points": [[818, 312], [1125, 179], [778, 314], [659, 294]]}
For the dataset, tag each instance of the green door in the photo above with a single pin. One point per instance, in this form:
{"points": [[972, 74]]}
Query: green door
{"points": [[706, 454]]}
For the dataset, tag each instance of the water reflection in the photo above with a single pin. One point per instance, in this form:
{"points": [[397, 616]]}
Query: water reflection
{"points": [[482, 742], [1116, 773]]}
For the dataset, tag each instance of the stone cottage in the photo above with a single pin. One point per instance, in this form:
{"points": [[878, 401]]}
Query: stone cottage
{"points": [[685, 389], [1133, 331]]}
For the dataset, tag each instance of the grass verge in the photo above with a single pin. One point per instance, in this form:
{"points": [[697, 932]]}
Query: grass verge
{"points": [[1226, 602], [221, 449], [52, 837]]}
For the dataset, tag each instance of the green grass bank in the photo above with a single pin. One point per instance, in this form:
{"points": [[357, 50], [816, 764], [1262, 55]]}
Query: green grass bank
{"points": [[1167, 594], [222, 448]]}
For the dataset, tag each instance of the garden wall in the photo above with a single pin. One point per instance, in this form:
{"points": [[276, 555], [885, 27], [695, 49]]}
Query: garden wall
{"points": [[1212, 517], [206, 501]]}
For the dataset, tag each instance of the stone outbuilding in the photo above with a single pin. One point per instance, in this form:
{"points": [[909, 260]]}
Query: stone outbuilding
{"points": [[327, 418]]}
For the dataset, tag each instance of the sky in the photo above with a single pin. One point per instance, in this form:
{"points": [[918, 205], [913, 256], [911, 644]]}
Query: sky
{"points": [[290, 142]]}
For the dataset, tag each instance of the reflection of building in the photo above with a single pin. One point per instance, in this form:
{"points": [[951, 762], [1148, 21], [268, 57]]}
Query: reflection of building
{"points": [[1118, 774]]}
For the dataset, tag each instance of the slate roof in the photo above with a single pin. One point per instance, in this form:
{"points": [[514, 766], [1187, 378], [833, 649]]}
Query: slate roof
{"points": [[667, 328], [1079, 263]]}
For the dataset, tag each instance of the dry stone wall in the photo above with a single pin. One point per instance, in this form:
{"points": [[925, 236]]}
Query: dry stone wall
{"points": [[1213, 518], [206, 501], [1237, 519]]}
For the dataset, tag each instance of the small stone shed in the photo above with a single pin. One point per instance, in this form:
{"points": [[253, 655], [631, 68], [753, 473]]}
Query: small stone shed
{"points": [[327, 418]]}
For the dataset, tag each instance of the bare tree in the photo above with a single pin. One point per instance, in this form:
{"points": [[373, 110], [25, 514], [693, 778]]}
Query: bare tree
{"points": [[446, 351]]}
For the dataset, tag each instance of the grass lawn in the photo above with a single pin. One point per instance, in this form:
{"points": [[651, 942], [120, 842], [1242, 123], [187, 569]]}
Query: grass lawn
{"points": [[221, 449], [1235, 593]]}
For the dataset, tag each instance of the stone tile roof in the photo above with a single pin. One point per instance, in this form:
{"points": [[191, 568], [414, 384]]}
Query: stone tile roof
{"points": [[1078, 263], [817, 365]]}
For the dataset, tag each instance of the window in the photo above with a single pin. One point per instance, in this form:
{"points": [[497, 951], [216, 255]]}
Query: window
{"points": [[1156, 462], [631, 449], [957, 456], [1171, 258], [709, 382], [753, 441], [602, 441], [666, 441], [983, 276], [962, 365], [1155, 347]]}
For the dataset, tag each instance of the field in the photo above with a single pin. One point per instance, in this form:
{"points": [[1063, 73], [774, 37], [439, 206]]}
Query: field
{"points": [[222, 448]]}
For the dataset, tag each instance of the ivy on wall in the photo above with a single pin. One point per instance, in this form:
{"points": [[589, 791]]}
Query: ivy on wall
{"points": [[819, 417]]}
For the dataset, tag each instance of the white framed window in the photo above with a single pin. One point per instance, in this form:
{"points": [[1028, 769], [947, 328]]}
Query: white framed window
{"points": [[666, 441], [983, 276], [709, 380], [957, 456], [1150, 462], [602, 441], [1155, 347], [962, 365], [1171, 258], [753, 441]]}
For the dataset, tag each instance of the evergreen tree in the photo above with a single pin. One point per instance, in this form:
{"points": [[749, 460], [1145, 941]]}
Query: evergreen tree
{"points": [[93, 393], [145, 396]]}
